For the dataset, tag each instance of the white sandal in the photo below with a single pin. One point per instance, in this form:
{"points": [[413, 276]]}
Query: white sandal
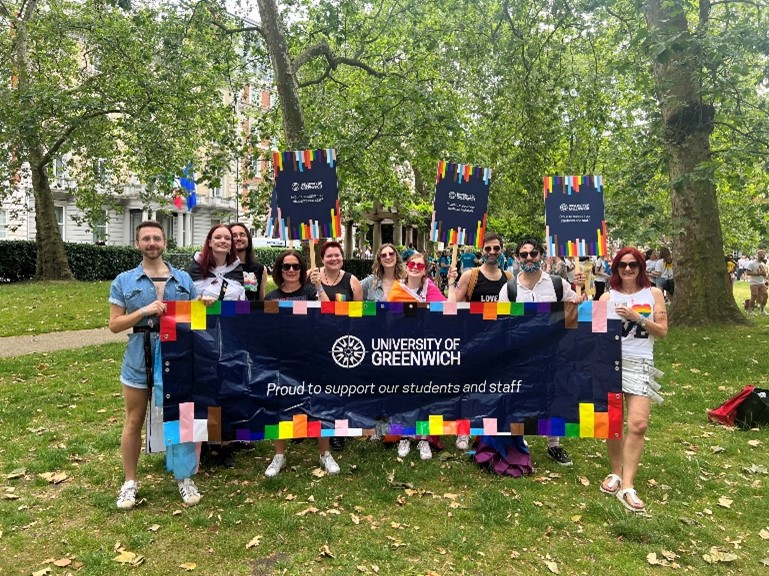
{"points": [[614, 484], [633, 498]]}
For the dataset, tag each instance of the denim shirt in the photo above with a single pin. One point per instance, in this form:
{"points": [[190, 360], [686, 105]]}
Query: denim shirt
{"points": [[372, 289], [133, 290]]}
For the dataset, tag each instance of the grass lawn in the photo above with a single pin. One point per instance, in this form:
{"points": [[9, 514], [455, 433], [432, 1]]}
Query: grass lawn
{"points": [[706, 489]]}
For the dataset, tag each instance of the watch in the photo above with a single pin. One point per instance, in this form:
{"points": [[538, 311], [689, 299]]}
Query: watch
{"points": [[642, 322]]}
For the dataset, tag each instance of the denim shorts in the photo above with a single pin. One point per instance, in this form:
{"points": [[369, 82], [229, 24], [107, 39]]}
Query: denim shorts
{"points": [[639, 377]]}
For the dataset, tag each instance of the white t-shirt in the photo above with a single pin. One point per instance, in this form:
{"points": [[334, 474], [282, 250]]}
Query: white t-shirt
{"points": [[636, 342], [757, 272], [543, 291]]}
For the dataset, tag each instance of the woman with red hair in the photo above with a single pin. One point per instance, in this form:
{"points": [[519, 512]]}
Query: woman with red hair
{"points": [[641, 308], [216, 269]]}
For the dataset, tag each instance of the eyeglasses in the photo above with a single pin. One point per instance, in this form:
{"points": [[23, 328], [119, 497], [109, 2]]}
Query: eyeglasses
{"points": [[418, 266], [632, 265], [387, 255], [488, 249], [240, 235], [287, 267], [533, 254]]}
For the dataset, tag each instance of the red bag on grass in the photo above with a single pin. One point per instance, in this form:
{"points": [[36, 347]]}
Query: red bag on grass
{"points": [[743, 409]]}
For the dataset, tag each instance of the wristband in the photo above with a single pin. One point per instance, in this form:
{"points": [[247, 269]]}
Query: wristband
{"points": [[320, 290], [642, 322], [144, 314]]}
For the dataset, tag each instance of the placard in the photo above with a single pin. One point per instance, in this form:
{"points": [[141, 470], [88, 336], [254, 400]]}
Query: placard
{"points": [[461, 201], [574, 216], [306, 196]]}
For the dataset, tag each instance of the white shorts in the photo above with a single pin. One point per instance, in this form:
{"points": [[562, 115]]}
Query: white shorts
{"points": [[639, 377]]}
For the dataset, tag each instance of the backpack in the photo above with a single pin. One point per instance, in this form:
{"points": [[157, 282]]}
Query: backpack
{"points": [[474, 280], [512, 288]]}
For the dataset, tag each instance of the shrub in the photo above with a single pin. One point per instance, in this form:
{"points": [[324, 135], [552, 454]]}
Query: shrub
{"points": [[92, 262]]}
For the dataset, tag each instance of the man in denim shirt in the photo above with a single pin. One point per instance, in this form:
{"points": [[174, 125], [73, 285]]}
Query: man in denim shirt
{"points": [[136, 301]]}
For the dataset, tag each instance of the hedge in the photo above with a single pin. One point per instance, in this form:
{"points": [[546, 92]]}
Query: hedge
{"points": [[91, 262]]}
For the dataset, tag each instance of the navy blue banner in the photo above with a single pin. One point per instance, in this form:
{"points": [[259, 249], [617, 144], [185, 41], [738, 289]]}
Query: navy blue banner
{"points": [[302, 370]]}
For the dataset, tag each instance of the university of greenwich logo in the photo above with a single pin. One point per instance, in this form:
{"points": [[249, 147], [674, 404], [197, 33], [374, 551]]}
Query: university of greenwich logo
{"points": [[348, 351]]}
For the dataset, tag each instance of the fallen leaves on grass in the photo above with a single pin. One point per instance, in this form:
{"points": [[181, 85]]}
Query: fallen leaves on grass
{"points": [[584, 481], [764, 534], [154, 528], [754, 443], [17, 473], [255, 541], [552, 566], [755, 469], [725, 502], [129, 558], [54, 477], [715, 555], [325, 552], [308, 510], [188, 566]]}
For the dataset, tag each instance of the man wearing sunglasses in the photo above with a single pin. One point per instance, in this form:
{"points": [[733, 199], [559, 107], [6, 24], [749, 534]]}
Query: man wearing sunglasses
{"points": [[535, 285]]}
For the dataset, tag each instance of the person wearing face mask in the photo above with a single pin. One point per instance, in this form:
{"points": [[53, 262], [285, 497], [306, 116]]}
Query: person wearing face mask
{"points": [[511, 455], [481, 284]]}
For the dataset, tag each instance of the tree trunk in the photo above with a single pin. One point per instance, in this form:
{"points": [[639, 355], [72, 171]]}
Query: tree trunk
{"points": [[51, 261], [703, 293], [51, 258], [285, 77]]}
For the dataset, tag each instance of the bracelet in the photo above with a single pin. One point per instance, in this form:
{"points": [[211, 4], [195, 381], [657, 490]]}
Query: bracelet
{"points": [[144, 314], [642, 322], [320, 290]]}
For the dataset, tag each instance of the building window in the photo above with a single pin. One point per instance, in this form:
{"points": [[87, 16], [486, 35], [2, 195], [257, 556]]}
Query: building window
{"points": [[58, 167], [135, 219], [100, 229], [60, 220], [3, 224]]}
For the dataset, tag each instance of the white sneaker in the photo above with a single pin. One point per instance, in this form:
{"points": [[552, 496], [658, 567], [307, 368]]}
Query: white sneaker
{"points": [[424, 450], [463, 442], [404, 447], [328, 462], [126, 499], [278, 461], [189, 492]]}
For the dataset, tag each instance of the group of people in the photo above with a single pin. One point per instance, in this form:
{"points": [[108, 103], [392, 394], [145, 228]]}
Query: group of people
{"points": [[225, 269]]}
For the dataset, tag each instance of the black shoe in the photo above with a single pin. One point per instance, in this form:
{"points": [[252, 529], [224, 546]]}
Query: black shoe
{"points": [[559, 455], [337, 444], [226, 458]]}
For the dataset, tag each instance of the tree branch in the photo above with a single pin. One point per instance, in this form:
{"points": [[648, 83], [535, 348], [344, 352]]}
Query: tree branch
{"points": [[323, 49], [60, 141]]}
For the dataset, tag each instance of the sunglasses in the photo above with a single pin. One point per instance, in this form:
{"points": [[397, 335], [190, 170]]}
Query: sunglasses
{"points": [[533, 254], [632, 265], [287, 267], [387, 255], [488, 249], [418, 266]]}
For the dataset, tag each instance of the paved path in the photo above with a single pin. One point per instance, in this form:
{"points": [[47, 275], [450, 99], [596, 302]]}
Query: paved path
{"points": [[21, 345]]}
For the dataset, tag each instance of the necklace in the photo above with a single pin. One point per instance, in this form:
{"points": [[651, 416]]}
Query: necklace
{"points": [[329, 282]]}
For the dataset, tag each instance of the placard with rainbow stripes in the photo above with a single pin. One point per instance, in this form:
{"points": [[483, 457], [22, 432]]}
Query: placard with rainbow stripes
{"points": [[461, 201], [305, 200], [272, 370], [574, 216]]}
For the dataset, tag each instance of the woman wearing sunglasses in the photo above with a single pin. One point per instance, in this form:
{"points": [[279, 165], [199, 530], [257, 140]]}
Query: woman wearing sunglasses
{"points": [[644, 319], [386, 270], [417, 287], [290, 275]]}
